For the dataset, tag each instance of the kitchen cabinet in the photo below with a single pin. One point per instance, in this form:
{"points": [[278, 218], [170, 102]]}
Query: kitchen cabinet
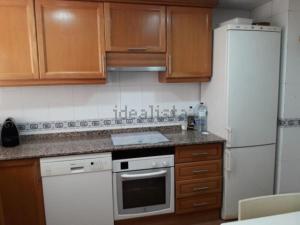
{"points": [[18, 49], [198, 170], [189, 45], [135, 28], [70, 39], [21, 199]]}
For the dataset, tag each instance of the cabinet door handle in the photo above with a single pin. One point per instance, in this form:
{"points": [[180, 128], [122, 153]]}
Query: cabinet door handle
{"points": [[104, 63], [170, 64], [200, 171], [199, 188], [200, 154], [200, 204], [137, 49]]}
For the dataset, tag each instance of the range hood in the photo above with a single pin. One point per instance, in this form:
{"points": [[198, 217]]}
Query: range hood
{"points": [[136, 69], [136, 62]]}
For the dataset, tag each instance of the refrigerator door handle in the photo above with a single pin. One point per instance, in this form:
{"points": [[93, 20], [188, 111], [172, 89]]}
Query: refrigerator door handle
{"points": [[229, 136], [228, 160]]}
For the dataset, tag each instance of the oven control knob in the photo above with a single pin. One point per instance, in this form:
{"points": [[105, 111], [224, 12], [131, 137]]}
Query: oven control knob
{"points": [[164, 163], [154, 164]]}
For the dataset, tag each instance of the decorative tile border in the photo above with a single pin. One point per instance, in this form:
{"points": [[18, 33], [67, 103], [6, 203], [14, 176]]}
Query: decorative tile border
{"points": [[289, 122], [93, 124]]}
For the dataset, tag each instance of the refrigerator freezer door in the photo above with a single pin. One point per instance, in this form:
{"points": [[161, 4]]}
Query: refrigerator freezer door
{"points": [[253, 77], [248, 172]]}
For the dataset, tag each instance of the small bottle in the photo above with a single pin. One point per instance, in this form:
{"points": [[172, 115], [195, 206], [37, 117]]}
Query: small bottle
{"points": [[201, 118], [191, 119]]}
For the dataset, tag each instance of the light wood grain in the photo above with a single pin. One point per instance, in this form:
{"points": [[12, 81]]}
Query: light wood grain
{"points": [[136, 59], [198, 203], [21, 193], [188, 188], [195, 153], [197, 3], [135, 28], [18, 49], [189, 48], [197, 170], [70, 39], [46, 82]]}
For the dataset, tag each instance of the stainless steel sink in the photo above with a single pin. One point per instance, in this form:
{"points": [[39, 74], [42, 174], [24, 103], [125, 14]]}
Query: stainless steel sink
{"points": [[138, 138]]}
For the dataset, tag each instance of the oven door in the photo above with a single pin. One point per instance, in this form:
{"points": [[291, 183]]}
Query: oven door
{"points": [[143, 193]]}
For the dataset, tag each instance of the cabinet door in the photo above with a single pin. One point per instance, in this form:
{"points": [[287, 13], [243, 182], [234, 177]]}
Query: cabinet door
{"points": [[21, 199], [189, 47], [18, 48], [135, 28], [70, 39]]}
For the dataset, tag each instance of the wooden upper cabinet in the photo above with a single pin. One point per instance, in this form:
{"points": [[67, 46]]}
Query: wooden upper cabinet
{"points": [[135, 28], [189, 50], [70, 39], [18, 50], [21, 197]]}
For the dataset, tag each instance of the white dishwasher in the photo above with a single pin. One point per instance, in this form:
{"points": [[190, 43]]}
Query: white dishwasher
{"points": [[78, 189]]}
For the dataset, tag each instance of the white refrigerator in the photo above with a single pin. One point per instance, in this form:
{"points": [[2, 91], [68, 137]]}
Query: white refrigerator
{"points": [[242, 101]]}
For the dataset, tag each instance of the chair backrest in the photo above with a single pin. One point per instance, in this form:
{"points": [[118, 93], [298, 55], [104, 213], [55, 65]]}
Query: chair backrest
{"points": [[268, 205]]}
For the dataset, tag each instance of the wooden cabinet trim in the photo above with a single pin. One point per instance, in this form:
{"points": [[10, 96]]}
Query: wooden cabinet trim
{"points": [[72, 75], [188, 188], [198, 203], [195, 153], [46, 82], [33, 169], [108, 23], [34, 74], [173, 76], [195, 3], [197, 170]]}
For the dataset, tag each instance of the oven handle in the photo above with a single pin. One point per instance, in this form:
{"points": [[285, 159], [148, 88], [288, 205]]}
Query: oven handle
{"points": [[143, 175]]}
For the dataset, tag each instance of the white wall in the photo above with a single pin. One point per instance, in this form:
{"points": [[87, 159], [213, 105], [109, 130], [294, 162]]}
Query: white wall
{"points": [[286, 14], [220, 15], [77, 102]]}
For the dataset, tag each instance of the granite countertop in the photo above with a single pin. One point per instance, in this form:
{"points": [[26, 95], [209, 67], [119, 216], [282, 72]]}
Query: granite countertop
{"points": [[62, 144]]}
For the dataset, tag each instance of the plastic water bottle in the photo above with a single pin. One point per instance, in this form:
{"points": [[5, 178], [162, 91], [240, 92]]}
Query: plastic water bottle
{"points": [[201, 118]]}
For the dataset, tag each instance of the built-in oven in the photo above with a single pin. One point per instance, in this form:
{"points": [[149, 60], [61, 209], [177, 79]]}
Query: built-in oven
{"points": [[143, 186]]}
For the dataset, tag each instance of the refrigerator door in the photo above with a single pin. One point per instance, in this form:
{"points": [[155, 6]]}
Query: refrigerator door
{"points": [[248, 172], [253, 77]]}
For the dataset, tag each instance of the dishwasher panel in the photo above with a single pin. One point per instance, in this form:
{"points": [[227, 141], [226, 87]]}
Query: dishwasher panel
{"points": [[78, 190]]}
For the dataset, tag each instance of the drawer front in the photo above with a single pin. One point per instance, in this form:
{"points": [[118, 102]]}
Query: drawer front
{"points": [[195, 153], [198, 203], [197, 170], [200, 186]]}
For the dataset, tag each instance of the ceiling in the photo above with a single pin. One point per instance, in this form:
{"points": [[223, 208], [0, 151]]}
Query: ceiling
{"points": [[241, 4]]}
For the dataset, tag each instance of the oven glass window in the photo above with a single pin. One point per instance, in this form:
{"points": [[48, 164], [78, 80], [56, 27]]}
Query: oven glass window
{"points": [[144, 192]]}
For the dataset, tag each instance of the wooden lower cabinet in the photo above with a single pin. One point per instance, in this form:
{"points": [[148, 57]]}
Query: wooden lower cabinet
{"points": [[198, 203], [21, 198], [198, 182], [188, 188]]}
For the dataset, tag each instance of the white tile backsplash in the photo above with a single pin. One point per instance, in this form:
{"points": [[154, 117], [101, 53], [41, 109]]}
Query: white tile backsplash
{"points": [[78, 102]]}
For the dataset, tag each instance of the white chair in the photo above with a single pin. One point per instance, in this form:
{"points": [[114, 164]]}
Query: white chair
{"points": [[268, 205]]}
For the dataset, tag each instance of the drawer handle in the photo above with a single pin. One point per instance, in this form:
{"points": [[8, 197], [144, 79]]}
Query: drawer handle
{"points": [[200, 171], [137, 49], [200, 154], [200, 188], [200, 204]]}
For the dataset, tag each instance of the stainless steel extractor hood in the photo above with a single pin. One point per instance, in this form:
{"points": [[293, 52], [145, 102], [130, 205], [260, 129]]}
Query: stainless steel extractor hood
{"points": [[137, 69], [135, 62]]}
